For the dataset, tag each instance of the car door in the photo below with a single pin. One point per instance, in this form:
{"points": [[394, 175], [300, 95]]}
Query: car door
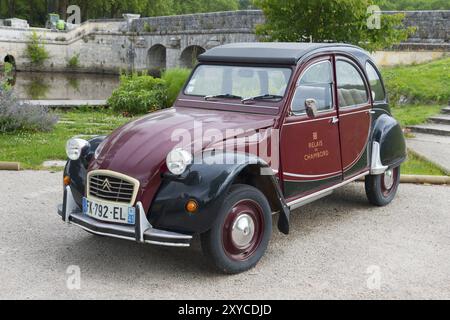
{"points": [[310, 147], [354, 108]]}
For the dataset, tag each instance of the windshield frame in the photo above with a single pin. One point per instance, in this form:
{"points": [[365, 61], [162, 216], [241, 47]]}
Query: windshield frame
{"points": [[255, 106]]}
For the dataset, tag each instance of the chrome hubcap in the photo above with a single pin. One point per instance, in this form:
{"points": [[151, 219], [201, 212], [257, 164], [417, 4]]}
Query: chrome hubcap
{"points": [[389, 179], [243, 231]]}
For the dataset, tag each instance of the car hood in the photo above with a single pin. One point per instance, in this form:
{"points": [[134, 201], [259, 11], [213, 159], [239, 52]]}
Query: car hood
{"points": [[139, 148]]}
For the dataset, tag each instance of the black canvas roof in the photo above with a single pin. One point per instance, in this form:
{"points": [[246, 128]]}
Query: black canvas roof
{"points": [[266, 52]]}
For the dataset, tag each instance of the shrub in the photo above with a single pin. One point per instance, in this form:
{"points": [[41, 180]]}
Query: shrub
{"points": [[74, 62], [36, 51], [175, 80], [8, 70], [16, 116], [138, 94]]}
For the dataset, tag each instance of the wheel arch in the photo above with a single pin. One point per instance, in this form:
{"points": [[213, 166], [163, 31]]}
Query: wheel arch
{"points": [[251, 175], [388, 144], [209, 186]]}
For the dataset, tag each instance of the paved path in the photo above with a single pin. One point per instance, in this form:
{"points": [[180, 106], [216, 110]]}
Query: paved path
{"points": [[66, 103], [436, 125], [333, 244], [434, 148], [432, 140]]}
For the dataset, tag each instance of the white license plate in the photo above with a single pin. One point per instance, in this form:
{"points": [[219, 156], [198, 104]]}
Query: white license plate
{"points": [[108, 212]]}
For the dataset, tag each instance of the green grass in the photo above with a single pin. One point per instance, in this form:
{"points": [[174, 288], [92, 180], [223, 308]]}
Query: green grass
{"points": [[409, 115], [32, 149], [417, 166], [419, 84]]}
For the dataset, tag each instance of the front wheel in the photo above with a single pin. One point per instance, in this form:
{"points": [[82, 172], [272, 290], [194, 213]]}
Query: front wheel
{"points": [[381, 189], [242, 231]]}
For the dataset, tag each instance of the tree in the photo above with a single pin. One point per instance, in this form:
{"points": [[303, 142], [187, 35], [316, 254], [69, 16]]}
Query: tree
{"points": [[415, 5], [329, 21], [35, 11], [246, 4]]}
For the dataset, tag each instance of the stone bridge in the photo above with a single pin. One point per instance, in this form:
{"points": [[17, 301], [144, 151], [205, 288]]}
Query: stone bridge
{"points": [[111, 46]]}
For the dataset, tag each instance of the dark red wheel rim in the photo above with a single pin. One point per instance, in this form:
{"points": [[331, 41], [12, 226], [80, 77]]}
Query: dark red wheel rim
{"points": [[243, 230], [389, 181]]}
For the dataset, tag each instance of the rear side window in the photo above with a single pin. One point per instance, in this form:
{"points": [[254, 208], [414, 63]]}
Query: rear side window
{"points": [[351, 87], [378, 93], [316, 83]]}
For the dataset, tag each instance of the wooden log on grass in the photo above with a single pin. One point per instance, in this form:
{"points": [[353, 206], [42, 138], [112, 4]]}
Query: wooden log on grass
{"points": [[10, 166]]}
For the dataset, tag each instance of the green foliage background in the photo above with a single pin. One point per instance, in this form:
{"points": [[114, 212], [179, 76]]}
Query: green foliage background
{"points": [[329, 21], [142, 93], [138, 94], [414, 4], [175, 80], [35, 11]]}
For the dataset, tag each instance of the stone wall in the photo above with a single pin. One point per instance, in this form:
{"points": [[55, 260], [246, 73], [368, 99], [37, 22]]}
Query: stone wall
{"points": [[226, 22], [432, 29]]}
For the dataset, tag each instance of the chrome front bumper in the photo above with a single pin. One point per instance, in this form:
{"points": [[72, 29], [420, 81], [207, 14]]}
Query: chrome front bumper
{"points": [[141, 232]]}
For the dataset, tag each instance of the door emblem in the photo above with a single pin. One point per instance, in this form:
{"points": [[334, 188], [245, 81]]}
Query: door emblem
{"points": [[106, 185], [315, 136]]}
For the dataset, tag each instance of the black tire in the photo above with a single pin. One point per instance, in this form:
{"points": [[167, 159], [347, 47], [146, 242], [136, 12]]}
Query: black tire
{"points": [[378, 191], [245, 204]]}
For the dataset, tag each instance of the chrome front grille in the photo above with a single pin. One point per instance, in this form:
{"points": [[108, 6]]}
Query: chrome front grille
{"points": [[111, 188]]}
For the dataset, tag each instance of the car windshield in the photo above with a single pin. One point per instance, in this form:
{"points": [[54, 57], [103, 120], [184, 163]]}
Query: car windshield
{"points": [[236, 82]]}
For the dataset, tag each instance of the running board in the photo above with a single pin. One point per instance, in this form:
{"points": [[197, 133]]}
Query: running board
{"points": [[322, 193]]}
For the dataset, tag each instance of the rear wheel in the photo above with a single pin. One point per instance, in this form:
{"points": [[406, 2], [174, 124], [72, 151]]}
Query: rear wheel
{"points": [[242, 231], [381, 189]]}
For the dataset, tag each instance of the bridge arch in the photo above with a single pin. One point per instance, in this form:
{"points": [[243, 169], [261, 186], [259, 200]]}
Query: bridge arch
{"points": [[10, 59], [157, 58], [189, 56]]}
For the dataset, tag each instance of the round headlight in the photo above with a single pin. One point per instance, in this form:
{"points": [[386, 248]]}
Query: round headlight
{"points": [[177, 161], [74, 147]]}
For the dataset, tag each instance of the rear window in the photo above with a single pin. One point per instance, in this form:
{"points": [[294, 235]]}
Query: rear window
{"points": [[378, 93]]}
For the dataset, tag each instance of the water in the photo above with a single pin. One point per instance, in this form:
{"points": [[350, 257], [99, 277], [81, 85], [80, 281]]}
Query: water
{"points": [[63, 86]]}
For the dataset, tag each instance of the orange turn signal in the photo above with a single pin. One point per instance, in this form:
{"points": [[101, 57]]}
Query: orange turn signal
{"points": [[191, 206], [66, 181]]}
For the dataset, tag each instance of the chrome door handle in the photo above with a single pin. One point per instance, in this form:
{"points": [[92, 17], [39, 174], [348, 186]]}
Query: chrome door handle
{"points": [[334, 120], [372, 112]]}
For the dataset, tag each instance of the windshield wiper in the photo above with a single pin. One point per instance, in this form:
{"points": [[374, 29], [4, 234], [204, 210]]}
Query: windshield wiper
{"points": [[226, 96], [263, 97]]}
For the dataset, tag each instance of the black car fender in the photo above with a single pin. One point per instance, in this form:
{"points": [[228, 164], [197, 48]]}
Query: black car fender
{"points": [[77, 169], [208, 183], [388, 133]]}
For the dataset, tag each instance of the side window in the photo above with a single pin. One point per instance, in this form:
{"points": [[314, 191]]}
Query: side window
{"points": [[316, 83], [378, 93], [351, 88]]}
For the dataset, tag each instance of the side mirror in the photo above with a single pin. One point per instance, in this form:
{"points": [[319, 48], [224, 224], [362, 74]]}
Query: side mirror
{"points": [[311, 108]]}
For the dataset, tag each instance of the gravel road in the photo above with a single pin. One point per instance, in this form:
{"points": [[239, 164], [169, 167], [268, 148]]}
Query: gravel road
{"points": [[339, 247]]}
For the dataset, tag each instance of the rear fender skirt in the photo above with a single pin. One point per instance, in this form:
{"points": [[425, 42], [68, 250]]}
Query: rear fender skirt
{"points": [[388, 144], [208, 183]]}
